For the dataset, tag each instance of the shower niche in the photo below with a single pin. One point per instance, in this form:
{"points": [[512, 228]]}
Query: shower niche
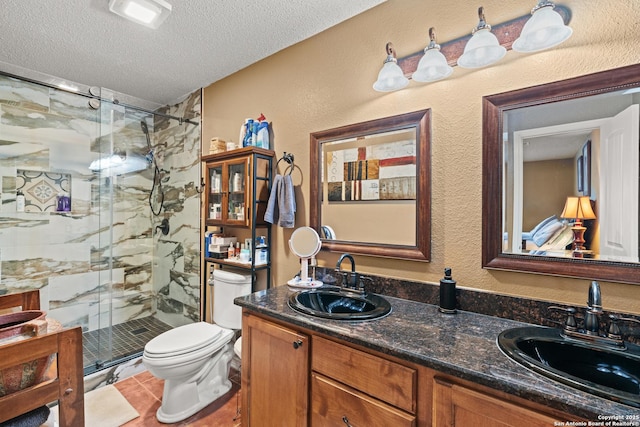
{"points": [[44, 191]]}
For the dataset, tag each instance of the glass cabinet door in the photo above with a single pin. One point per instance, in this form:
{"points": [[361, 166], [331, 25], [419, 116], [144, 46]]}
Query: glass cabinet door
{"points": [[237, 207], [216, 194], [228, 192]]}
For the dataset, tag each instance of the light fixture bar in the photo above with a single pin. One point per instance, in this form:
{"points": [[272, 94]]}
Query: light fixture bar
{"points": [[506, 32]]}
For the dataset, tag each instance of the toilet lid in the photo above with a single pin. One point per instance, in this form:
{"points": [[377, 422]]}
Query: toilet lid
{"points": [[183, 339]]}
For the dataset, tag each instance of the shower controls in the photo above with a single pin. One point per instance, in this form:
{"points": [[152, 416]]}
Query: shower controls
{"points": [[164, 227]]}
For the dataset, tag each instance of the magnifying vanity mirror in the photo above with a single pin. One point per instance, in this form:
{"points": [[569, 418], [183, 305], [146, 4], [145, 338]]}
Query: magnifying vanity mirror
{"points": [[371, 187], [305, 243], [561, 173]]}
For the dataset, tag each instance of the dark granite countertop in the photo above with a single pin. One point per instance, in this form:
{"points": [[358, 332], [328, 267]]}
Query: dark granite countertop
{"points": [[461, 345]]}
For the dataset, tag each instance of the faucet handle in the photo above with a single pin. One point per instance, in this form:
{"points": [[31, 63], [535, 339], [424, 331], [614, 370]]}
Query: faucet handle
{"points": [[362, 280], [614, 330], [570, 323]]}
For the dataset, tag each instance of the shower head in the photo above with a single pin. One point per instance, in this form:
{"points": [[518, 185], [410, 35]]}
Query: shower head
{"points": [[144, 127]]}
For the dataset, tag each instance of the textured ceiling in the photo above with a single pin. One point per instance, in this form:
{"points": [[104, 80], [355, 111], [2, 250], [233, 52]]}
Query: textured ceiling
{"points": [[201, 42]]}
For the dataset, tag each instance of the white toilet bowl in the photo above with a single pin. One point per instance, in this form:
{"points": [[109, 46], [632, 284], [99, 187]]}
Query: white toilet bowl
{"points": [[194, 359], [194, 362]]}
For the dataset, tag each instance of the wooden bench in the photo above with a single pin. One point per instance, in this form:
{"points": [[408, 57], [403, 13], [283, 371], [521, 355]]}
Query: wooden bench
{"points": [[67, 386]]}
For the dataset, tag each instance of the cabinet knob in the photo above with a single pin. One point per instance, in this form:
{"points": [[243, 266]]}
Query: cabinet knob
{"points": [[297, 344], [346, 421]]}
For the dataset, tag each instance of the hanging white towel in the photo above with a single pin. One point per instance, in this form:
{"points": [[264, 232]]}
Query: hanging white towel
{"points": [[281, 207]]}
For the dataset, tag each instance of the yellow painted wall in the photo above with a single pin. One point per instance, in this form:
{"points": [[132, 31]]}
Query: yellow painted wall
{"points": [[325, 82], [545, 186]]}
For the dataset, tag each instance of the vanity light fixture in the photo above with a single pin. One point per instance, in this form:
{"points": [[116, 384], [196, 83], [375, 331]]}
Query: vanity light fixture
{"points": [[483, 49], [150, 13], [578, 208], [433, 65], [391, 77], [543, 30]]}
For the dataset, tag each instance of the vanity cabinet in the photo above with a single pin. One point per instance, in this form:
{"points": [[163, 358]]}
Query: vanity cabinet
{"points": [[292, 377], [287, 369], [275, 372]]}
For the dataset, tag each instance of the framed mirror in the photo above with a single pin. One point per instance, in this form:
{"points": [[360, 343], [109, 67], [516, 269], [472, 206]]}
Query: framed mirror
{"points": [[560, 180], [371, 187]]}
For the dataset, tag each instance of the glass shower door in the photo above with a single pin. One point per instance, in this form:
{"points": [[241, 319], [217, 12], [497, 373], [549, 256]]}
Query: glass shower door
{"points": [[125, 237]]}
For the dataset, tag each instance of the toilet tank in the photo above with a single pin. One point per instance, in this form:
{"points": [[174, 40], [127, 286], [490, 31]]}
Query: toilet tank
{"points": [[228, 285]]}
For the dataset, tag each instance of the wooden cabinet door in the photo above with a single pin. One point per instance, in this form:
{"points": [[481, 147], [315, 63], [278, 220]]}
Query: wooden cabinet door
{"points": [[215, 195], [275, 370], [238, 190], [455, 405], [228, 189]]}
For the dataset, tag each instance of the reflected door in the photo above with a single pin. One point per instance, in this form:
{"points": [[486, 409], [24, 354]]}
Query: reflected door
{"points": [[619, 164]]}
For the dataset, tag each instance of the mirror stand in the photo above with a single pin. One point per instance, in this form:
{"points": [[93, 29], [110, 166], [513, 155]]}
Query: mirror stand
{"points": [[305, 244]]}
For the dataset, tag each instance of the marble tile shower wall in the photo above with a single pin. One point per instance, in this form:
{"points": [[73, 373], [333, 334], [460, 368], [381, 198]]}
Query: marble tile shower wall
{"points": [[177, 267], [101, 261]]}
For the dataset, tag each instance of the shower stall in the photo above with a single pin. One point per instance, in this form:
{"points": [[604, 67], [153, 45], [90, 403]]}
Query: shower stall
{"points": [[100, 212]]}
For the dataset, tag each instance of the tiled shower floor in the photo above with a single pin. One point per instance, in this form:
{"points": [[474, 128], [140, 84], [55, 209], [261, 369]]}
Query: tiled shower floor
{"points": [[128, 339]]}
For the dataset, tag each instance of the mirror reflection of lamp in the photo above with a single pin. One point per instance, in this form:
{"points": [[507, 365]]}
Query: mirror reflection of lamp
{"points": [[578, 209]]}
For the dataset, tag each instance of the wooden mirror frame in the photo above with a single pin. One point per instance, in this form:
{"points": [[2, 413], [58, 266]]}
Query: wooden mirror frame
{"points": [[421, 120], [493, 108]]}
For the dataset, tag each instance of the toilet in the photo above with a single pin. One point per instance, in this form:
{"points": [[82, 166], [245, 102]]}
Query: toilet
{"points": [[194, 359]]}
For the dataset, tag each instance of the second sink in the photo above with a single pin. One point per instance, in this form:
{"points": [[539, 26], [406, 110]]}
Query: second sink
{"points": [[605, 371], [339, 305]]}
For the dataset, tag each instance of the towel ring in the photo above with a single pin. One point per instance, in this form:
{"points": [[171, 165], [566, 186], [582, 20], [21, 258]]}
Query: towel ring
{"points": [[287, 157]]}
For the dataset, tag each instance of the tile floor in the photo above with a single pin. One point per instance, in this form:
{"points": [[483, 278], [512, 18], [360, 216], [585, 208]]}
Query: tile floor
{"points": [[127, 338], [144, 393]]}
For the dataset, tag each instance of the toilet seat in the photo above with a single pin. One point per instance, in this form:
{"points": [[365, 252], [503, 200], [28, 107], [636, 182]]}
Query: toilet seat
{"points": [[187, 339], [237, 347]]}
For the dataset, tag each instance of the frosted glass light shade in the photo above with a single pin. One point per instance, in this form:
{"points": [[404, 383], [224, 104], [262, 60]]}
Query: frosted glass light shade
{"points": [[545, 29], [390, 77], [483, 49], [432, 67]]}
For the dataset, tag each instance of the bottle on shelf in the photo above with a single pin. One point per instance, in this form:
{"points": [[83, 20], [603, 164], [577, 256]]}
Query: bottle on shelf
{"points": [[246, 141], [19, 201], [254, 134], [215, 182], [237, 182], [263, 135]]}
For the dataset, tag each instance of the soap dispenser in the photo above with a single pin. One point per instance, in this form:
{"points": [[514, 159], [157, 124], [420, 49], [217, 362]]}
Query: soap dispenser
{"points": [[447, 293]]}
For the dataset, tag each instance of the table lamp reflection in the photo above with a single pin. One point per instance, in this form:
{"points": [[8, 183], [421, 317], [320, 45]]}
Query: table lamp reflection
{"points": [[578, 209]]}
